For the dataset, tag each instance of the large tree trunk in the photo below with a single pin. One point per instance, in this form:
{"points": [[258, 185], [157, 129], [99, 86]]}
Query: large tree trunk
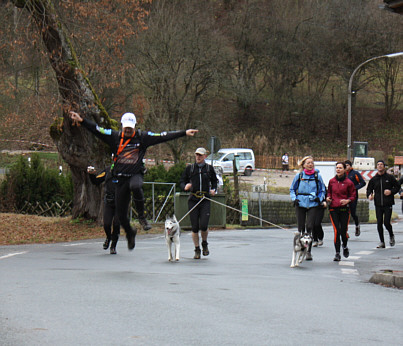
{"points": [[77, 146]]}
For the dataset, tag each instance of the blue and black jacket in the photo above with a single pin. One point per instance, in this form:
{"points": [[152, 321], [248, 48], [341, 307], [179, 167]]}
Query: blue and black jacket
{"points": [[308, 190], [357, 179]]}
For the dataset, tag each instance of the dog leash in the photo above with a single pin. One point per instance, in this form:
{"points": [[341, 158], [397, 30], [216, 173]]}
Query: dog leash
{"points": [[240, 211], [227, 206], [191, 209]]}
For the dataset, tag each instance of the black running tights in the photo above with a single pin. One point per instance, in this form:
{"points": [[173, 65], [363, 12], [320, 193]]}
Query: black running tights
{"points": [[383, 216], [340, 218]]}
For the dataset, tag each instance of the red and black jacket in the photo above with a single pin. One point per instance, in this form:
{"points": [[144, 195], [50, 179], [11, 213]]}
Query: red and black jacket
{"points": [[340, 188]]}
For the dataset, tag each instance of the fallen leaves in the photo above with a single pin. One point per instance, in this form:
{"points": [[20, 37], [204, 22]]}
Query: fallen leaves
{"points": [[28, 229]]}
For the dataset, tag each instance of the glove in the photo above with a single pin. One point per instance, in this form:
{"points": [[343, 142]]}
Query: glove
{"points": [[296, 203]]}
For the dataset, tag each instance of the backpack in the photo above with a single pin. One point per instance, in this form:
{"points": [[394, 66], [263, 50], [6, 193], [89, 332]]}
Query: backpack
{"points": [[316, 181], [194, 166]]}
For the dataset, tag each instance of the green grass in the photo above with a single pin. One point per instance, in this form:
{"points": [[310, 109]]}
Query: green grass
{"points": [[279, 190], [49, 159], [372, 216]]}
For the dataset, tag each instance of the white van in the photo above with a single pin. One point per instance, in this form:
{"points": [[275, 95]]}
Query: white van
{"points": [[222, 160]]}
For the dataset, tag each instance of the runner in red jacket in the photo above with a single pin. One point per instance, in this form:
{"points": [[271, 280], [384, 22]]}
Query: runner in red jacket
{"points": [[340, 193]]}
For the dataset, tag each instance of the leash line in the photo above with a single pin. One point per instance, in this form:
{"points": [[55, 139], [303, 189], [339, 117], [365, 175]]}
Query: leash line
{"points": [[227, 206], [240, 211], [191, 209]]}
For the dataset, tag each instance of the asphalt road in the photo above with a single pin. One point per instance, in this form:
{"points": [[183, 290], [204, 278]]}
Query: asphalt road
{"points": [[244, 293]]}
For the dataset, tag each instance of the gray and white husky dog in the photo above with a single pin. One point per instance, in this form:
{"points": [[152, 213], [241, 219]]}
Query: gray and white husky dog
{"points": [[301, 245], [172, 235]]}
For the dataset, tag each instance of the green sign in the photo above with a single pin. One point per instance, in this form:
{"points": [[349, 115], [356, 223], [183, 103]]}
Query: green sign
{"points": [[244, 210]]}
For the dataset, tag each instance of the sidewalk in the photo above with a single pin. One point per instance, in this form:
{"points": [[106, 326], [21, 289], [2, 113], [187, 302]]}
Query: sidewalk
{"points": [[393, 277]]}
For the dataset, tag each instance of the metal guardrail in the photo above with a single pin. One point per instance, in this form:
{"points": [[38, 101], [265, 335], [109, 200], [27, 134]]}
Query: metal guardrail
{"points": [[173, 188], [172, 192]]}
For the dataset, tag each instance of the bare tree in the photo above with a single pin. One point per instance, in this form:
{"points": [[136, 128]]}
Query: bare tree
{"points": [[76, 146], [387, 75], [176, 62], [246, 25]]}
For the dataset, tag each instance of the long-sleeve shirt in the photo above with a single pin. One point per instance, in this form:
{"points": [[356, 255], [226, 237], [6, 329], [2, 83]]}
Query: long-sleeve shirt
{"points": [[130, 160]]}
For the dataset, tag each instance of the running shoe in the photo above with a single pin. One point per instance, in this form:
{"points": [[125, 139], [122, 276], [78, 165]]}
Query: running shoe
{"points": [[106, 244], [131, 239], [146, 226], [206, 252], [197, 253]]}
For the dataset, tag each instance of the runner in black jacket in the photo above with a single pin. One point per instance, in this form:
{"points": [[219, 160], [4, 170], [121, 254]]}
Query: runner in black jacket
{"points": [[110, 215], [129, 147], [385, 186], [200, 180]]}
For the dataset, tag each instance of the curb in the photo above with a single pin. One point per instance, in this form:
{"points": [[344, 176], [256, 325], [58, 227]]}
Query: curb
{"points": [[390, 278]]}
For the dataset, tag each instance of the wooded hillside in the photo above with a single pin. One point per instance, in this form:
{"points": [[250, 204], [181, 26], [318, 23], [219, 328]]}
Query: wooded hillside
{"points": [[266, 74]]}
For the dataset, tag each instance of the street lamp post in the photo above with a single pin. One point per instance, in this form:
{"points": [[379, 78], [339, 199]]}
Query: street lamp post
{"points": [[350, 85]]}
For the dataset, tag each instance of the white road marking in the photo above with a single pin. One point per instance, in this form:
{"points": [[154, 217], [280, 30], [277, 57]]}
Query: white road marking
{"points": [[349, 271], [354, 257], [12, 254], [346, 263], [79, 244], [365, 252]]}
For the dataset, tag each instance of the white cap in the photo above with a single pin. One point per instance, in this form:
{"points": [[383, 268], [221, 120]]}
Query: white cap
{"points": [[201, 151], [128, 120]]}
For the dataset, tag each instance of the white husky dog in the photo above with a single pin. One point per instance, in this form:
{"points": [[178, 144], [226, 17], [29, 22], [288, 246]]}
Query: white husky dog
{"points": [[300, 248], [172, 235]]}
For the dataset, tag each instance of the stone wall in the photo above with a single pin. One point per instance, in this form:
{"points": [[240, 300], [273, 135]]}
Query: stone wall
{"points": [[283, 212]]}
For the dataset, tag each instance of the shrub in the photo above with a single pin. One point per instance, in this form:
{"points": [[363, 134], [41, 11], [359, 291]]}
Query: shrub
{"points": [[32, 182], [159, 174]]}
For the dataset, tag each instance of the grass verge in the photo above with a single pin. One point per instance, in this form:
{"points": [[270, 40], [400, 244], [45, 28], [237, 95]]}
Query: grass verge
{"points": [[29, 229]]}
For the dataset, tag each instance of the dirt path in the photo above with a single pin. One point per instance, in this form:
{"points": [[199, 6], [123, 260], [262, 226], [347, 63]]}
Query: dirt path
{"points": [[273, 178]]}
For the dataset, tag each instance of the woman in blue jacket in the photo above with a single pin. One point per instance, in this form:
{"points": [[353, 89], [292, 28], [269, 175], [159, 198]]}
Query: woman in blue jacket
{"points": [[307, 192]]}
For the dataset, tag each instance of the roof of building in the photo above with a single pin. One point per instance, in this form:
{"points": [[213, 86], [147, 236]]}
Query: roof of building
{"points": [[398, 160]]}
